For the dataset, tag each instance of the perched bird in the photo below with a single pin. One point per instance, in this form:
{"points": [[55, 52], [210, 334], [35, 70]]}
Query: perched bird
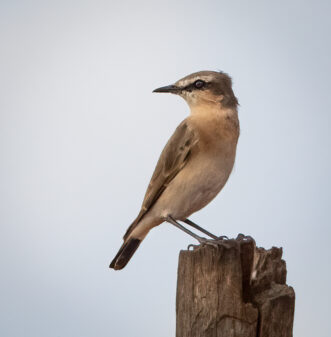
{"points": [[195, 163]]}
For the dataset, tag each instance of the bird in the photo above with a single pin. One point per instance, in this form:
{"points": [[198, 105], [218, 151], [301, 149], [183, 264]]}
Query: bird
{"points": [[195, 163]]}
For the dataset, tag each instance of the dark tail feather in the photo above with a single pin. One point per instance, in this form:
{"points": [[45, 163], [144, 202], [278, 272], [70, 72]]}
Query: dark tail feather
{"points": [[125, 253]]}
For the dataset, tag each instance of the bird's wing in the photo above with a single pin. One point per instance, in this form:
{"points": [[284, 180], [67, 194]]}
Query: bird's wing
{"points": [[173, 158]]}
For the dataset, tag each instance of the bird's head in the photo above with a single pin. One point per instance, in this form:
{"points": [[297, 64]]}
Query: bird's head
{"points": [[204, 87]]}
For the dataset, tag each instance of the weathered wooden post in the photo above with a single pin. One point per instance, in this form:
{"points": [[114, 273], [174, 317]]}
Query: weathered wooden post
{"points": [[235, 290]]}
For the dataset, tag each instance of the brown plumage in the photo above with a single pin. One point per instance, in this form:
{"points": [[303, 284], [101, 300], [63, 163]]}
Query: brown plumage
{"points": [[195, 163]]}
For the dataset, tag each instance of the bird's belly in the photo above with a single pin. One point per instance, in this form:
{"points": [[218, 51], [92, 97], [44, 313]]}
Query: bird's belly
{"points": [[194, 187]]}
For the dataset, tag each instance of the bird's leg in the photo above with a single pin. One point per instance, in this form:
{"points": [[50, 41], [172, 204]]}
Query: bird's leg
{"points": [[191, 223], [201, 240], [171, 220], [194, 225]]}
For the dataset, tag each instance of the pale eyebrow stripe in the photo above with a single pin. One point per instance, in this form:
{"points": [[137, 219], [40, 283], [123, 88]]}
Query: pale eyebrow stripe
{"points": [[184, 83]]}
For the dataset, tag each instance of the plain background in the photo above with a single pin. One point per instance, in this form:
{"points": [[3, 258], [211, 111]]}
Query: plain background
{"points": [[81, 133]]}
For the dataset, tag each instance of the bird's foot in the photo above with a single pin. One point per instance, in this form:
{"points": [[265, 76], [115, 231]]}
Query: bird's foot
{"points": [[222, 241], [208, 242], [203, 242], [242, 237], [193, 247], [222, 238]]}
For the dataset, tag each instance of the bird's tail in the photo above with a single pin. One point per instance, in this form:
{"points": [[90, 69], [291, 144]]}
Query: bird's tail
{"points": [[125, 253]]}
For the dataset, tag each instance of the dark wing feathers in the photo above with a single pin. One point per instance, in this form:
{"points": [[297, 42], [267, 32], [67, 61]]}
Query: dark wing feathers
{"points": [[172, 159]]}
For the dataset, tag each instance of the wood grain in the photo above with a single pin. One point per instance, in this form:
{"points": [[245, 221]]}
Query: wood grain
{"points": [[235, 290]]}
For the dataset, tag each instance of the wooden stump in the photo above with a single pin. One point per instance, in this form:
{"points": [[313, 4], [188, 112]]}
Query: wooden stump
{"points": [[236, 290]]}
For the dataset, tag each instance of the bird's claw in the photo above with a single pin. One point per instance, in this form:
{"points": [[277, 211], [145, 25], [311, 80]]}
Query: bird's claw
{"points": [[204, 242], [243, 237], [222, 238], [192, 246]]}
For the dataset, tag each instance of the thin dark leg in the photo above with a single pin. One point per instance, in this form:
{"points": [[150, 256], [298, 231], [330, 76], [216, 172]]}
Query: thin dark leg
{"points": [[202, 241], [178, 225], [194, 225]]}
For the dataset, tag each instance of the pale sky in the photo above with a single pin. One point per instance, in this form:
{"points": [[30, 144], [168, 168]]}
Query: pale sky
{"points": [[81, 133]]}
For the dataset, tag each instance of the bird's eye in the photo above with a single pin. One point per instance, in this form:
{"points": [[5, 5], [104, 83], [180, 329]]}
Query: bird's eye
{"points": [[199, 84]]}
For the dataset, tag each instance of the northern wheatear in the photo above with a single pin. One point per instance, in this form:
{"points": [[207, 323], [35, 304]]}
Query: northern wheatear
{"points": [[195, 163]]}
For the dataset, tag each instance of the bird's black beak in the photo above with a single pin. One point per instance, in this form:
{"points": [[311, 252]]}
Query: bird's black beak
{"points": [[169, 88]]}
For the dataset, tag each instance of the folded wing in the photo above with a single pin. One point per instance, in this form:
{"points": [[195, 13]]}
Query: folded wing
{"points": [[173, 158]]}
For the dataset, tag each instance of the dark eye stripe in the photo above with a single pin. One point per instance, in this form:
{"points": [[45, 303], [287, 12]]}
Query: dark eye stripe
{"points": [[198, 84]]}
